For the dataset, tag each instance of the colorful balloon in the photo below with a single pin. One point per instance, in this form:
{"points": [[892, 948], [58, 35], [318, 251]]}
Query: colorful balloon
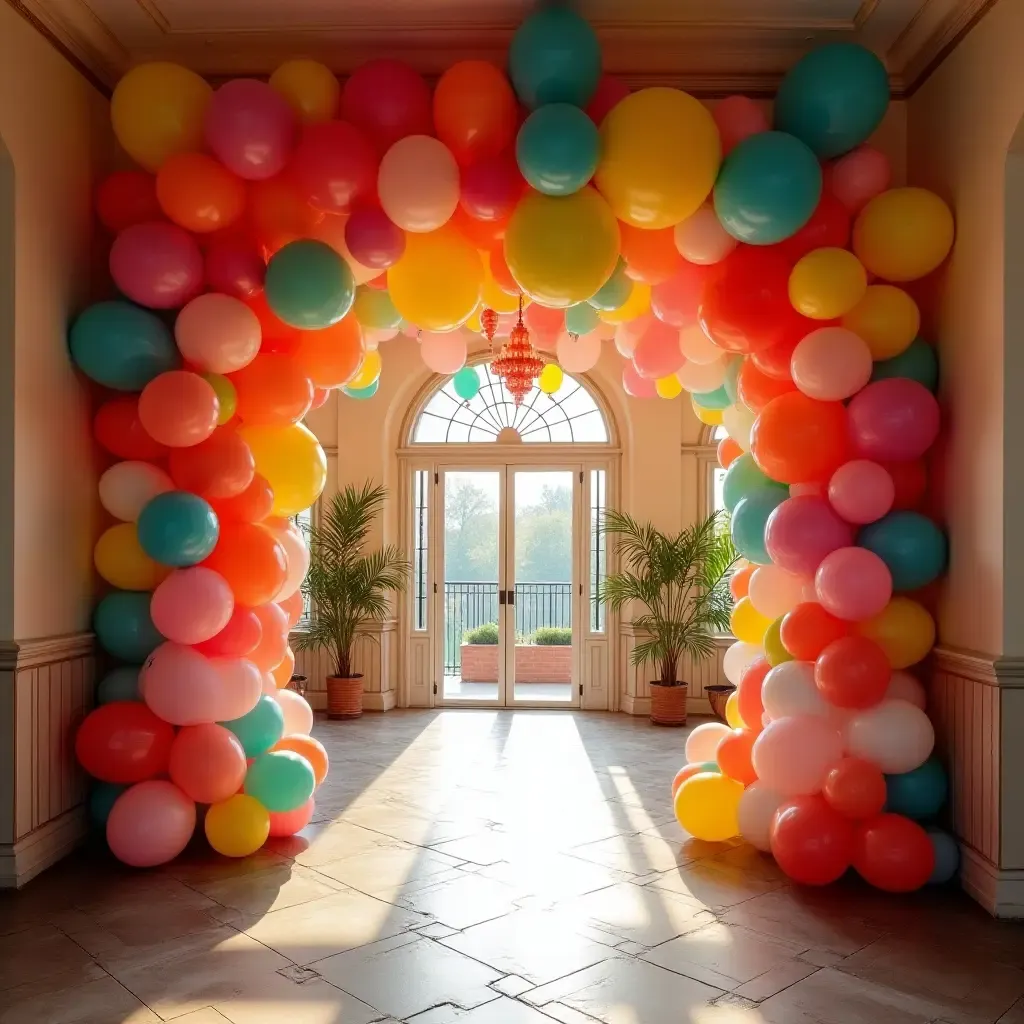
{"points": [[855, 788], [123, 742], [707, 806], [178, 529], [756, 811], [388, 100], [557, 149], [309, 88], [917, 362], [554, 57], [238, 826], [308, 285], [811, 842], [178, 409], [886, 318], [207, 763], [198, 194], [895, 735], [793, 755], [418, 184], [121, 561], [158, 265], [125, 198], [192, 605], [852, 672], [827, 283], [474, 110], [280, 780], [250, 128], [893, 854], [150, 824], [217, 333], [904, 629], [859, 176], [124, 628], [862, 492], [334, 166], [894, 419], [291, 462], [919, 793], [912, 547]]}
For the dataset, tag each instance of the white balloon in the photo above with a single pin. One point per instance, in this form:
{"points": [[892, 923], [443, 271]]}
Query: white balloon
{"points": [[738, 421], [758, 805], [738, 659], [773, 591], [904, 686], [789, 689], [702, 743], [895, 735], [697, 346], [578, 354], [127, 487], [793, 754], [296, 554], [269, 685], [298, 715], [703, 377]]}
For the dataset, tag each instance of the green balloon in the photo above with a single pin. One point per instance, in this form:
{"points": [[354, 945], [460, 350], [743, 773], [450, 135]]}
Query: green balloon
{"points": [[363, 393], [748, 523], [614, 292], [281, 780], [917, 362], [581, 318], [102, 798], [260, 729], [744, 478], [124, 628], [374, 308], [466, 383], [308, 285], [717, 399], [121, 684]]}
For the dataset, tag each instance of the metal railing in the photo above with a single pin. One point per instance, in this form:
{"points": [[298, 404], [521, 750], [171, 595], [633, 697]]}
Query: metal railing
{"points": [[468, 605]]}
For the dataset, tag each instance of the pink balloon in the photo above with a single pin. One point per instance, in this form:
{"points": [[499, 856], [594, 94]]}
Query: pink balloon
{"points": [[636, 386], [893, 420], [802, 531], [373, 239], [702, 239], [853, 584], [250, 128], [609, 93], [239, 690], [443, 353], [181, 686], [812, 488], [628, 334], [545, 323], [418, 183], [235, 267], [861, 491], [179, 409], [738, 117], [217, 333], [207, 763], [675, 301], [859, 176], [192, 605], [657, 353], [793, 755], [491, 187], [773, 591], [287, 823], [578, 354], [388, 100], [831, 364], [150, 824], [157, 264], [334, 165]]}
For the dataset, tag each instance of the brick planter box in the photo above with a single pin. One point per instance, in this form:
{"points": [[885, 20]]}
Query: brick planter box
{"points": [[534, 663]]}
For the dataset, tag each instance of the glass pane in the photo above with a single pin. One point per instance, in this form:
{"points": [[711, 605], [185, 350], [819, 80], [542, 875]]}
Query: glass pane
{"points": [[304, 521], [419, 542], [543, 585], [717, 483], [598, 547], [470, 628]]}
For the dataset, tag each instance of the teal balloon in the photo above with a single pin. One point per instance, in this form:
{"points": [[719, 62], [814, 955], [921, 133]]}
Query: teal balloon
{"points": [[124, 628], [122, 346], [308, 285], [362, 393], [947, 856], [259, 729], [178, 528], [833, 98], [557, 149], [102, 798], [581, 318], [731, 382], [377, 310], [121, 684], [466, 383], [281, 780], [767, 188], [917, 362], [744, 478], [614, 292], [913, 548], [748, 522], [717, 399], [918, 794], [554, 58]]}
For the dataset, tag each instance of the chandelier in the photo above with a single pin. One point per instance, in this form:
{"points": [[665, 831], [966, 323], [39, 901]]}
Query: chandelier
{"points": [[518, 365], [488, 325]]}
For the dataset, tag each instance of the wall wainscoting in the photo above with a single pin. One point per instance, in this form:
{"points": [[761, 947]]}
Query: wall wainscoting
{"points": [[47, 687]]}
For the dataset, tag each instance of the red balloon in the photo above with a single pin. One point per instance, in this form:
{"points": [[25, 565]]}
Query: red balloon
{"points": [[126, 198], [334, 165], [829, 227], [207, 763], [733, 755], [240, 637], [118, 428], [491, 187], [893, 853], [222, 466], [234, 266], [388, 100], [797, 439], [810, 841], [853, 672], [808, 629], [124, 742], [910, 480], [774, 361], [272, 391], [756, 388], [253, 505], [748, 694], [609, 92], [855, 788]]}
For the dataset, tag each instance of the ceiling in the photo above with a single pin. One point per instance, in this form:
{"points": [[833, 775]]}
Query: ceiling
{"points": [[710, 47]]}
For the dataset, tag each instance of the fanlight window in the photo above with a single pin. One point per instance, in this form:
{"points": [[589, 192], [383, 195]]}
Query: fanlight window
{"points": [[570, 415]]}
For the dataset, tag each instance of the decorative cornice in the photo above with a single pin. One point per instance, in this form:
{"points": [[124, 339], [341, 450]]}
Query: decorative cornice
{"points": [[989, 669]]}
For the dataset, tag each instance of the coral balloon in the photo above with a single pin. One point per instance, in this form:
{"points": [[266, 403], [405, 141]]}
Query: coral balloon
{"points": [[739, 582], [118, 428], [273, 643], [578, 354], [150, 824], [222, 466], [293, 607], [852, 672], [198, 194], [418, 183], [294, 544], [241, 687], [738, 117], [443, 353], [893, 853], [237, 639], [251, 506], [474, 111], [651, 256], [657, 353], [810, 841], [181, 686], [217, 333], [252, 560], [287, 823], [207, 763], [855, 788], [748, 693], [733, 755], [755, 389], [123, 742], [859, 176], [688, 772], [272, 391], [797, 439], [178, 409], [853, 584], [702, 239], [702, 743], [192, 605], [793, 755], [861, 491], [808, 629], [330, 357]]}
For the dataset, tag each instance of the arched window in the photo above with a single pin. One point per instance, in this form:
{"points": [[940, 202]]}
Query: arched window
{"points": [[568, 416]]}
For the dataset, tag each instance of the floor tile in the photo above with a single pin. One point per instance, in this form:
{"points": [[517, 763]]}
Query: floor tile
{"points": [[84, 996], [714, 884], [275, 1000], [776, 980], [500, 1011], [512, 985], [463, 902], [268, 891], [390, 870], [37, 953], [639, 854], [556, 876]]}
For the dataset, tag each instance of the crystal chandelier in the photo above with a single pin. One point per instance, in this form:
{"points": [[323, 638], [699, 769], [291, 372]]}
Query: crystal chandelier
{"points": [[518, 365], [488, 325]]}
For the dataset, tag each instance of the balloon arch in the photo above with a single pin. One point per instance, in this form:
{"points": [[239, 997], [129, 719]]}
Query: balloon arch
{"points": [[278, 234]]}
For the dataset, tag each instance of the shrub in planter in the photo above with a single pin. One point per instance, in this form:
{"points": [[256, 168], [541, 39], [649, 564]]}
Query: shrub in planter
{"points": [[484, 635], [552, 636]]}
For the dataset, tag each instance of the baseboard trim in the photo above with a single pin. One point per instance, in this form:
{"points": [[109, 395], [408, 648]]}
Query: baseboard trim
{"points": [[20, 862], [371, 701], [998, 890]]}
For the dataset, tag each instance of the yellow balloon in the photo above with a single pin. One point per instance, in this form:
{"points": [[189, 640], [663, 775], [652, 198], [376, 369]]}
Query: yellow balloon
{"points": [[903, 234], [121, 561], [227, 399], [561, 249], [707, 804], [238, 826], [712, 417], [550, 379], [668, 387], [827, 283], [747, 623], [774, 652], [660, 153], [904, 629], [495, 297], [887, 319], [473, 323], [436, 284], [638, 303], [368, 372], [292, 462], [732, 712], [311, 89], [158, 110]]}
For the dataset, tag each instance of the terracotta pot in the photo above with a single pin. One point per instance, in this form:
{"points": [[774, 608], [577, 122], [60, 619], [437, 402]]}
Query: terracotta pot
{"points": [[344, 696], [668, 704]]}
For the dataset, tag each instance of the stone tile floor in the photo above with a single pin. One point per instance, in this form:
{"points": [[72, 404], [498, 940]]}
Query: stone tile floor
{"points": [[483, 867]]}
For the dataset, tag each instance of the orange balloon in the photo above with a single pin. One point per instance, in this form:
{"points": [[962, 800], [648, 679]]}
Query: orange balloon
{"points": [[756, 389], [275, 334], [484, 234], [651, 256], [272, 391], [312, 750], [808, 629], [178, 408], [798, 440], [684, 773], [728, 452], [279, 214], [270, 651], [252, 560], [331, 356], [199, 193], [739, 583], [284, 669], [293, 608], [475, 111], [222, 466], [734, 755], [499, 271], [748, 694], [253, 505]]}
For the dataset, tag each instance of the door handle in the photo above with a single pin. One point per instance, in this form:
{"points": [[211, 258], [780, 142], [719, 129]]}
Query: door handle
{"points": [[511, 597], [501, 597]]}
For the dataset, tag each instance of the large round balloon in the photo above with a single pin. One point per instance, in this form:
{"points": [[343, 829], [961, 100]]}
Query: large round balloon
{"points": [[768, 188], [310, 88], [335, 166], [198, 194], [250, 128], [904, 629], [217, 333], [123, 742], [238, 826], [179, 408], [917, 362], [810, 841], [474, 111], [797, 439], [192, 605], [207, 763], [292, 462], [124, 628], [660, 153], [259, 729], [919, 793], [308, 285], [886, 318], [418, 183], [119, 431], [127, 487], [895, 735], [749, 518], [833, 98], [707, 805], [181, 686], [119, 684], [894, 419], [910, 544], [557, 149], [388, 100], [177, 528], [120, 560], [743, 478], [150, 824], [893, 853], [281, 780], [252, 560], [158, 265]]}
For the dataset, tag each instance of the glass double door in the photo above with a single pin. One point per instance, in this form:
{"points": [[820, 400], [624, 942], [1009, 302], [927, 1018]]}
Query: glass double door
{"points": [[508, 592]]}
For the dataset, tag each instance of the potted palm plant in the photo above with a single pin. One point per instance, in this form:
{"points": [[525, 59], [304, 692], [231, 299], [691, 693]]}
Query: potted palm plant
{"points": [[682, 584], [348, 588]]}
